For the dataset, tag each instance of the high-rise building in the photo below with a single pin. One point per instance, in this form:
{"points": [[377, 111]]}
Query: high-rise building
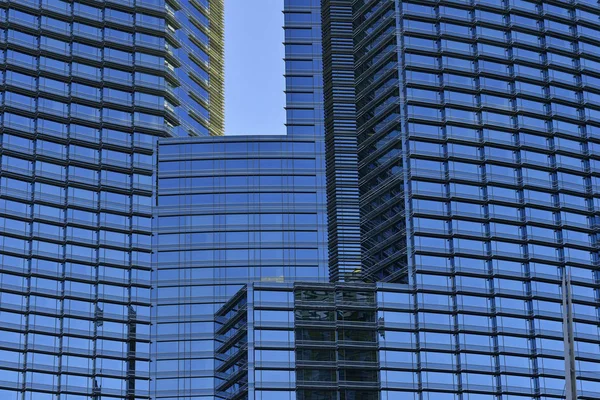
{"points": [[476, 130], [231, 210], [463, 178], [343, 211], [477, 126], [194, 62], [377, 71], [87, 87], [310, 341], [303, 68], [235, 210]]}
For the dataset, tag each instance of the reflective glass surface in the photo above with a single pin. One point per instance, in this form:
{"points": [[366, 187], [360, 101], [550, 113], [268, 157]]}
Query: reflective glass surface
{"points": [[238, 210], [478, 134], [87, 89], [299, 341], [230, 211]]}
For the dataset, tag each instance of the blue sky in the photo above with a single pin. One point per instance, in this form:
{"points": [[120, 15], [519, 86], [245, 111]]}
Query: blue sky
{"points": [[254, 82]]}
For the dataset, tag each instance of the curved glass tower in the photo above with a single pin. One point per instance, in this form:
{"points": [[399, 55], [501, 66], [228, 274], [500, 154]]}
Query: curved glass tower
{"points": [[87, 87], [478, 136], [231, 211]]}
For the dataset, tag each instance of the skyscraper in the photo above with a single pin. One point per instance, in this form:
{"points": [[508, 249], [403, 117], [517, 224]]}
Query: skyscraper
{"points": [[87, 89], [464, 133], [343, 211], [306, 341], [377, 72], [231, 211], [477, 128], [236, 210]]}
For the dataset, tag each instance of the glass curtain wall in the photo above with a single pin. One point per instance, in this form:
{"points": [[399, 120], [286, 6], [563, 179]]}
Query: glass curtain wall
{"points": [[488, 112], [230, 211], [237, 210], [87, 89]]}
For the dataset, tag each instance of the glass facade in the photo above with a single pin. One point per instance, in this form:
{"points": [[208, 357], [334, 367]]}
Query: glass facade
{"points": [[308, 341], [87, 89], [465, 133], [235, 210], [194, 62], [378, 68], [231, 210], [478, 129], [343, 208], [303, 68]]}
